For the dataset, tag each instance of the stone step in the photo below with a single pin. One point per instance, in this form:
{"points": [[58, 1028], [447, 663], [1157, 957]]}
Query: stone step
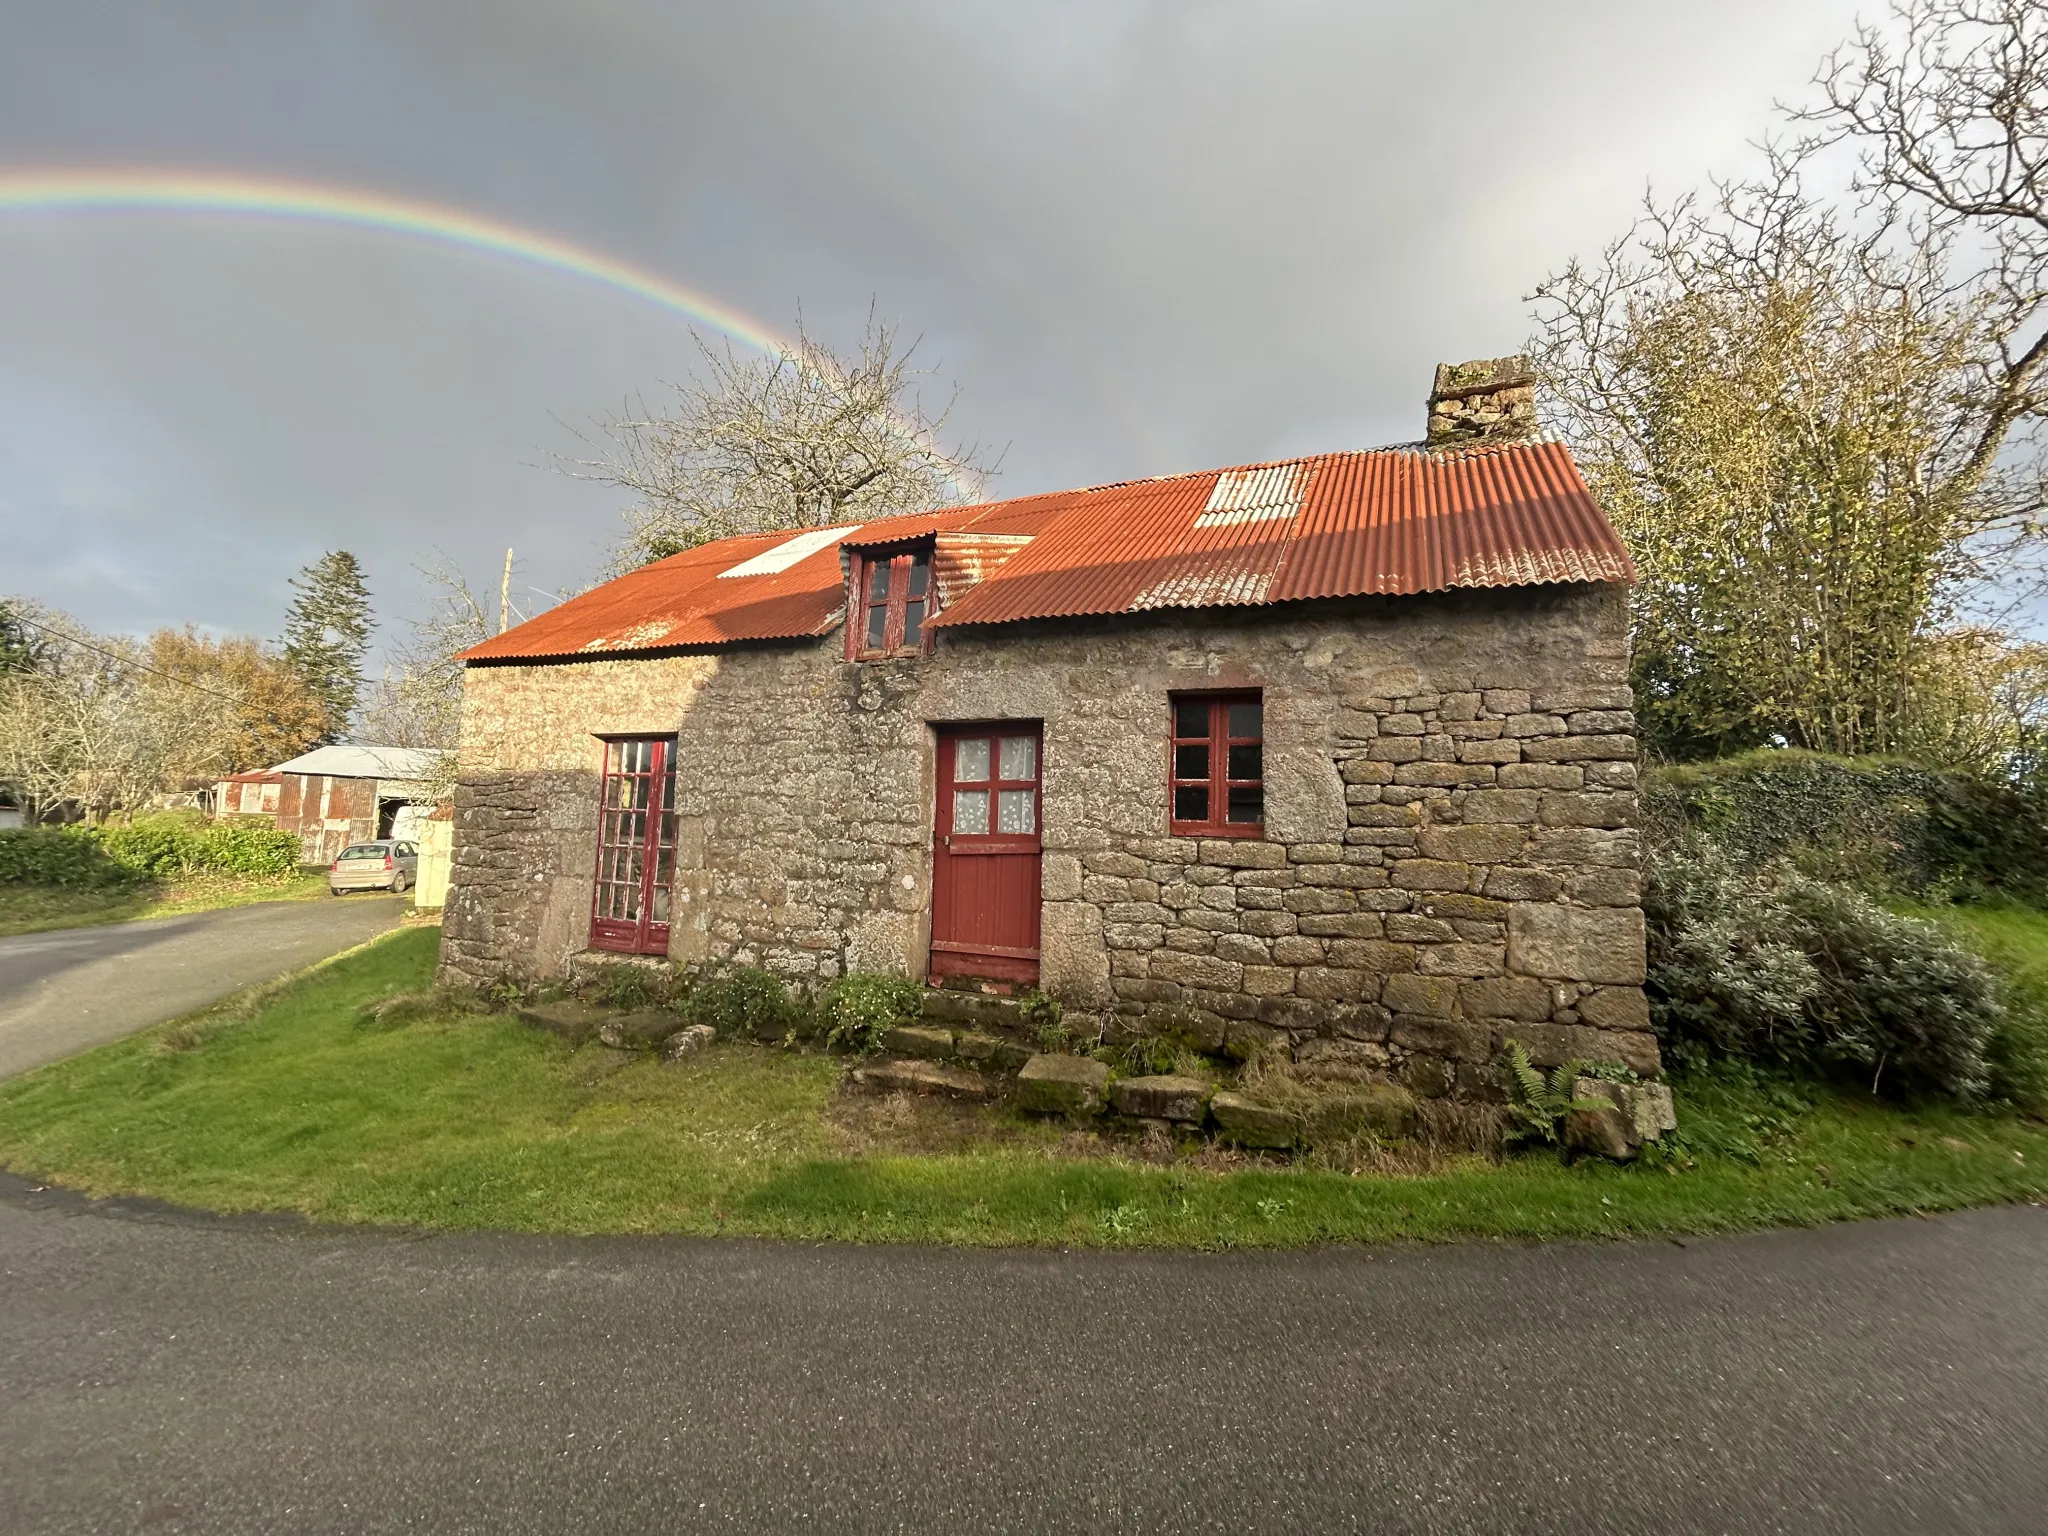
{"points": [[976, 1010], [922, 1077]]}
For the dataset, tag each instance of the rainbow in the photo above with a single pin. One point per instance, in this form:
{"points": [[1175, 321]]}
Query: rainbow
{"points": [[179, 192]]}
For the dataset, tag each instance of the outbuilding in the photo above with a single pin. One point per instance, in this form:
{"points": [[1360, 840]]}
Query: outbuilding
{"points": [[1339, 747], [336, 795]]}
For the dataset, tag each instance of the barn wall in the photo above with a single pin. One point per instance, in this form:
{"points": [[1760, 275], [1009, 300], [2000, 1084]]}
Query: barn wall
{"points": [[1450, 800]]}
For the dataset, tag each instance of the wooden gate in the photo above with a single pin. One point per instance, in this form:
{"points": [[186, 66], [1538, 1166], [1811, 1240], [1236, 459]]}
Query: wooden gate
{"points": [[986, 854], [636, 847]]}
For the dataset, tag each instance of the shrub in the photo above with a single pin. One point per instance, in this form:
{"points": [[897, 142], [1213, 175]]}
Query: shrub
{"points": [[1872, 821], [1772, 965], [231, 848], [741, 1001], [59, 856], [858, 1010]]}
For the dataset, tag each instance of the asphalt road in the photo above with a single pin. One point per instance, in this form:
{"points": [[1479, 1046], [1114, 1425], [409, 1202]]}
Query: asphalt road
{"points": [[74, 988], [172, 1373]]}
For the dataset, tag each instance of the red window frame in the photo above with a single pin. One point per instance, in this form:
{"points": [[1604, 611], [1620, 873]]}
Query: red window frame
{"points": [[1206, 761], [634, 879], [884, 585]]}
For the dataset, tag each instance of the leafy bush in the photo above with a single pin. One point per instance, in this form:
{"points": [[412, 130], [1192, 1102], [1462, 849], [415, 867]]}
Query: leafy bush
{"points": [[229, 848], [59, 856], [1872, 821], [1772, 965], [743, 1001], [857, 1010], [623, 984], [172, 844]]}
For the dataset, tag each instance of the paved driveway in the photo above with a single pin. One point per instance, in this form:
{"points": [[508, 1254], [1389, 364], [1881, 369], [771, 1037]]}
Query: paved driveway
{"points": [[168, 1373], [66, 991]]}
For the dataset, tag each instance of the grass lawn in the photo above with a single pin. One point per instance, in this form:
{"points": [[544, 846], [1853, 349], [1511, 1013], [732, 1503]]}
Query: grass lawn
{"points": [[293, 1102], [34, 908]]}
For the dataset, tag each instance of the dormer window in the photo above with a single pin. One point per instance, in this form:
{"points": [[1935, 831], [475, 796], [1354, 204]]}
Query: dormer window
{"points": [[893, 598]]}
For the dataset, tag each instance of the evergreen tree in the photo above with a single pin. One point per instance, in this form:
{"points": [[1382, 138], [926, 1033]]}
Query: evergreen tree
{"points": [[326, 632]]}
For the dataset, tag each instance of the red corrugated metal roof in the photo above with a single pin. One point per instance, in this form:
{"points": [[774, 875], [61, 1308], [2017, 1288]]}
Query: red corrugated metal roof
{"points": [[1389, 521]]}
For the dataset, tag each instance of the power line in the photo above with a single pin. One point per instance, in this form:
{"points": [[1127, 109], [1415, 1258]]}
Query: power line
{"points": [[130, 661]]}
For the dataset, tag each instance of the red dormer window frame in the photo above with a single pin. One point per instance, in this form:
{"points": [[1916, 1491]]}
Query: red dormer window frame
{"points": [[887, 588]]}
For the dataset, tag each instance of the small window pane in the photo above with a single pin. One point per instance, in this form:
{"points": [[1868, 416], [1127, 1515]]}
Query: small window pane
{"points": [[878, 620], [1191, 761], [913, 622], [1247, 803], [612, 750], [1190, 802], [1191, 717], [1245, 762], [1246, 719], [878, 582], [1020, 759], [920, 573], [970, 811], [1017, 810], [659, 911], [970, 760]]}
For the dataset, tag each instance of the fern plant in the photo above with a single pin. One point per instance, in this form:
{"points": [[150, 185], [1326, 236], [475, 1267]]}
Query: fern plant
{"points": [[1537, 1104]]}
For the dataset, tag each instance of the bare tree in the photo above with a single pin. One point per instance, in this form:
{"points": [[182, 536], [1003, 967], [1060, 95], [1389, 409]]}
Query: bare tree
{"points": [[1948, 108], [802, 439], [97, 726]]}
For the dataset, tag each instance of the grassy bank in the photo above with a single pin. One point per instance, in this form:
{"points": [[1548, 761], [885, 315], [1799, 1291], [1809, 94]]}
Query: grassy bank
{"points": [[36, 908], [299, 1104]]}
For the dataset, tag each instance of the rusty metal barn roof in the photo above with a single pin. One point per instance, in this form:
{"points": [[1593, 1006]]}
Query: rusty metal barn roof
{"points": [[1391, 521]]}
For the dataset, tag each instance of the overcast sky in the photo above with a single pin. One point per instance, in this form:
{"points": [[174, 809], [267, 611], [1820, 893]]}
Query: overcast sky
{"points": [[1139, 238]]}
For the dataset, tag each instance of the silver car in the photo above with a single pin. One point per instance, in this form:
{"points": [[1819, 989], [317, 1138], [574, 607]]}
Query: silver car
{"points": [[387, 865]]}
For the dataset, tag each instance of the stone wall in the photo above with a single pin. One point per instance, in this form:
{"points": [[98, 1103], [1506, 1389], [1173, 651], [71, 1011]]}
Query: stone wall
{"points": [[1450, 800]]}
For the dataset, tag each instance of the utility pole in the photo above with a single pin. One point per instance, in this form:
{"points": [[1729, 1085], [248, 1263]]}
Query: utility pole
{"points": [[505, 596]]}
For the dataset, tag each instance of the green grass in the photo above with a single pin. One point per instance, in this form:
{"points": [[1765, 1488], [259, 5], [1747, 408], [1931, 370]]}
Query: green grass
{"points": [[2015, 940], [36, 908], [292, 1102]]}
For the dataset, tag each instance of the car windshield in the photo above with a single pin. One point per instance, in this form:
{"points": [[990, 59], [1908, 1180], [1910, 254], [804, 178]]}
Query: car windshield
{"points": [[363, 851]]}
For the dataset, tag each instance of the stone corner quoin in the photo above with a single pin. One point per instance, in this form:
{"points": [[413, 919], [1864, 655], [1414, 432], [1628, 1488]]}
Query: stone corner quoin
{"points": [[1450, 856]]}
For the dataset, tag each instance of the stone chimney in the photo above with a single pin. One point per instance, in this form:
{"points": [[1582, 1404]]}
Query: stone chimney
{"points": [[1492, 399]]}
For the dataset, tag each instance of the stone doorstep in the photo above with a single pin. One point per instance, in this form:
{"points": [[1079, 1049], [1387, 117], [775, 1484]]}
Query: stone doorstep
{"points": [[973, 1010], [1165, 1097], [1053, 1084], [919, 1040], [1252, 1124], [638, 1030], [922, 1077], [573, 1020]]}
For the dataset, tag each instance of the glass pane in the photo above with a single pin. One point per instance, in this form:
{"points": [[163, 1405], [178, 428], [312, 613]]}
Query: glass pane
{"points": [[1190, 802], [1191, 761], [1246, 719], [970, 810], [659, 910], [878, 619], [920, 573], [1247, 803], [878, 582], [1245, 762], [1191, 717], [913, 622], [612, 750], [970, 760], [1017, 810], [1020, 759]]}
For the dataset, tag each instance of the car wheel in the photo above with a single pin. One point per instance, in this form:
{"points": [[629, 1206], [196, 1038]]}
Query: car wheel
{"points": [[334, 890], [398, 884]]}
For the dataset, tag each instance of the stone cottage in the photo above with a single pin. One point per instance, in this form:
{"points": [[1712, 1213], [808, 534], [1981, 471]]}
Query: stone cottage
{"points": [[1340, 746]]}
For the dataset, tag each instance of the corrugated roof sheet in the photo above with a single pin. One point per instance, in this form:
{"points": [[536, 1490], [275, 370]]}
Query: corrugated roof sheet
{"points": [[350, 762], [1390, 521]]}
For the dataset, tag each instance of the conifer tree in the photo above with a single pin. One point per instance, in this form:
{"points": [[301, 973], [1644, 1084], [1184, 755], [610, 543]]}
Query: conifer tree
{"points": [[327, 631]]}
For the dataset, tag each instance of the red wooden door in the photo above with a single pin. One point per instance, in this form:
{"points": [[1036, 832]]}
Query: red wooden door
{"points": [[636, 847], [985, 862]]}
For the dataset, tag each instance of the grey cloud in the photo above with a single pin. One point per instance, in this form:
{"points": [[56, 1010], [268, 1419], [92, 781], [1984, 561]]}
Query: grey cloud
{"points": [[1141, 237]]}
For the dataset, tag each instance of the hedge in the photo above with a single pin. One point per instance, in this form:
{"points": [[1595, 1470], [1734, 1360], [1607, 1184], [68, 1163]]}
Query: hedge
{"points": [[1876, 822], [150, 847]]}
